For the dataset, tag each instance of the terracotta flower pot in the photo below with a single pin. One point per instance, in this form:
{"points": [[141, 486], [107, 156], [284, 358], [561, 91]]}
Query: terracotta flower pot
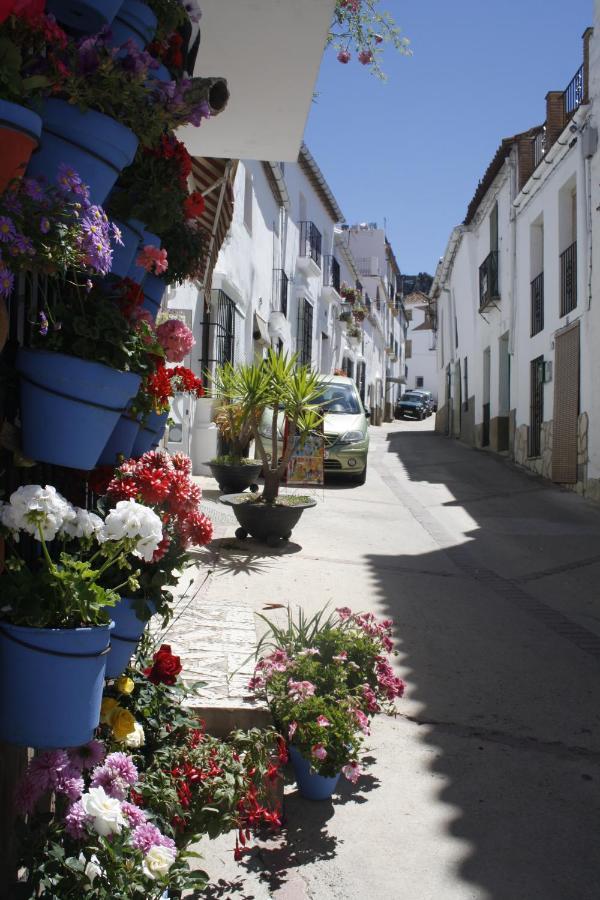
{"points": [[20, 130]]}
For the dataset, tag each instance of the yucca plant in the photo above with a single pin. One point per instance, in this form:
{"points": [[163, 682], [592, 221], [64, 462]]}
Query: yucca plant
{"points": [[280, 388], [231, 419]]}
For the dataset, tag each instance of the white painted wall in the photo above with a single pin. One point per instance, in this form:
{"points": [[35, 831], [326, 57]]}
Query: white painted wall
{"points": [[423, 362]]}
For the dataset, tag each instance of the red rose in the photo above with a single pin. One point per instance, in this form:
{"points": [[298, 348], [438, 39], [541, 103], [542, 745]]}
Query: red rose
{"points": [[165, 668]]}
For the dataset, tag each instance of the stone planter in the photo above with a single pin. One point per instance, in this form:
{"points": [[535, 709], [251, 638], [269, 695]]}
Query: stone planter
{"points": [[232, 478], [268, 522]]}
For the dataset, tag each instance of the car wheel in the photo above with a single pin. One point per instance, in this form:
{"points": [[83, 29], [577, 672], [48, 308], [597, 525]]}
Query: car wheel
{"points": [[421, 415]]}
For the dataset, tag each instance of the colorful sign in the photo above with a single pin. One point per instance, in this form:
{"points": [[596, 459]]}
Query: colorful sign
{"points": [[307, 461]]}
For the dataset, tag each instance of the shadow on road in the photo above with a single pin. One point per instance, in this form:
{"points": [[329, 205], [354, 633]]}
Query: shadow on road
{"points": [[509, 695]]}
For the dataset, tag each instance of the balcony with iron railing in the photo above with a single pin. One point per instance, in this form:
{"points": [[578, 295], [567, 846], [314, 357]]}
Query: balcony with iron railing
{"points": [[568, 279], [537, 304], [309, 252], [489, 291], [573, 96], [331, 279], [280, 291]]}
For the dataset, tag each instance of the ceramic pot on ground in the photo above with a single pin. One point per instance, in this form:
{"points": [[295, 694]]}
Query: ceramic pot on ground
{"points": [[232, 478], [310, 784], [268, 522]]}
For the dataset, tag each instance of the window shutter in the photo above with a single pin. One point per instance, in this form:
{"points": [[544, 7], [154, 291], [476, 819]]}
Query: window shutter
{"points": [[566, 405]]}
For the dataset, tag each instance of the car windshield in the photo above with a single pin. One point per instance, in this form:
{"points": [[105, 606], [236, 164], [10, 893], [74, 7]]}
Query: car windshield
{"points": [[411, 397], [339, 398]]}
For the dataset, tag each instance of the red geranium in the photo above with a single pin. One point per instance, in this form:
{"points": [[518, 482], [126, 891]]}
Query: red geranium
{"points": [[194, 205], [166, 666]]}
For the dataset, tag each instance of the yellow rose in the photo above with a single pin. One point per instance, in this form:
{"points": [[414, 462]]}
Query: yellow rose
{"points": [[122, 723], [124, 685], [109, 704]]}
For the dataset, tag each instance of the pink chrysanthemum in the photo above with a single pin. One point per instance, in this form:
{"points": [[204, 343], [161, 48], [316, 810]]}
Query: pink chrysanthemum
{"points": [[87, 757], [134, 815], [76, 821], [146, 836]]}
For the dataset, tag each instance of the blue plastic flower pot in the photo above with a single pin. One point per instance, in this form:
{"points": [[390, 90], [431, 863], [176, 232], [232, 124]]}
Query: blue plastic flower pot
{"points": [[69, 406], [86, 16], [126, 635], [135, 22], [97, 147], [138, 273], [125, 254], [154, 288], [121, 441], [51, 683], [160, 74], [311, 785], [150, 434], [20, 130]]}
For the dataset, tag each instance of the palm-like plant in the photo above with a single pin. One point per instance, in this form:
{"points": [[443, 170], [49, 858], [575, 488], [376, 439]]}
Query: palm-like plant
{"points": [[230, 417], [280, 387]]}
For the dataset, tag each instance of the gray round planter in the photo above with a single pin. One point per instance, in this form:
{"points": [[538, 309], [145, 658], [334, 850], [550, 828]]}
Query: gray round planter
{"points": [[266, 522], [232, 478]]}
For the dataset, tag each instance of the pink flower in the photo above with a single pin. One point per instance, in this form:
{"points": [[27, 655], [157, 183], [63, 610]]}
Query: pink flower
{"points": [[152, 259], [300, 690], [27, 795], [176, 339], [76, 821], [310, 651], [363, 720], [344, 612], [146, 836], [292, 729], [319, 752], [71, 786], [352, 772], [323, 721], [365, 57], [134, 815], [341, 657], [370, 699], [343, 57]]}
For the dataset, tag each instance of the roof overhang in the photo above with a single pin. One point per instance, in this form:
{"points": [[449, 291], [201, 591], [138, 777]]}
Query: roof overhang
{"points": [[270, 52]]}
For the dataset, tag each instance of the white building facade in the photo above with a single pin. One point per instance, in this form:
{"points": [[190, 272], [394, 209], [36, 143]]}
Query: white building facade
{"points": [[517, 296], [420, 344]]}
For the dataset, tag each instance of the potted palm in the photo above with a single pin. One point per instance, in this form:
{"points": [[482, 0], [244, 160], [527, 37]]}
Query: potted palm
{"points": [[285, 394], [233, 470]]}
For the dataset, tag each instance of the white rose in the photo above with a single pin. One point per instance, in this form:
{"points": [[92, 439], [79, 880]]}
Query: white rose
{"points": [[158, 861], [105, 811], [132, 520], [91, 870], [135, 738]]}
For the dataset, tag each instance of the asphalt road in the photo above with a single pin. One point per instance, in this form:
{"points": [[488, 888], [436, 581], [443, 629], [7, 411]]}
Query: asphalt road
{"points": [[486, 786]]}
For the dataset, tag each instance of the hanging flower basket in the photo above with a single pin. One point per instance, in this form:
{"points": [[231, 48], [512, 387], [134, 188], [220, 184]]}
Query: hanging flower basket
{"points": [[85, 16], [20, 130], [310, 784], [135, 21], [81, 400], [154, 288], [51, 682], [121, 441], [126, 635], [96, 146], [124, 254], [150, 434]]}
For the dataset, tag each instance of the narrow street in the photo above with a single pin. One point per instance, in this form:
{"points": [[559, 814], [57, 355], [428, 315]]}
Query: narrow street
{"points": [[486, 785]]}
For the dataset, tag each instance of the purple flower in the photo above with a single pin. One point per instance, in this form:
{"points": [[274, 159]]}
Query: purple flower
{"points": [[23, 245], [122, 764], [146, 836], [87, 55], [48, 767], [7, 229], [133, 60], [90, 755], [134, 815], [27, 795], [116, 233], [202, 111], [116, 776], [12, 203], [72, 786], [7, 280], [43, 323], [69, 181], [32, 188], [76, 821], [44, 225]]}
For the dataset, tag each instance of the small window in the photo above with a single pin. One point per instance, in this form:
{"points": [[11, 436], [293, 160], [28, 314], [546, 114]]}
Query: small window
{"points": [[248, 201], [419, 380], [466, 385]]}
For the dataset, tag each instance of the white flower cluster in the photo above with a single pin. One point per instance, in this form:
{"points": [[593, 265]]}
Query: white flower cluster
{"points": [[44, 513]]}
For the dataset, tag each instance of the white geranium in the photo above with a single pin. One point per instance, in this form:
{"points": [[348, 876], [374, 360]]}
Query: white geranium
{"points": [[132, 520], [135, 738], [82, 524], [37, 508], [158, 861], [8, 518], [105, 812]]}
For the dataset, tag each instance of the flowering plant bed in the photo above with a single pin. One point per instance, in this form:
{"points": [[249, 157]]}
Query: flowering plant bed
{"points": [[324, 678]]}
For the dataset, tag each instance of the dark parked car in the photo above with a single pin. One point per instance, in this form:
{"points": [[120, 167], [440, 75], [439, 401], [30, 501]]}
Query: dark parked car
{"points": [[428, 397], [411, 404]]}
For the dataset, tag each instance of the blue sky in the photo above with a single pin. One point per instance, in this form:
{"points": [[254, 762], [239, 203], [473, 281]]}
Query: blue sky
{"points": [[411, 150]]}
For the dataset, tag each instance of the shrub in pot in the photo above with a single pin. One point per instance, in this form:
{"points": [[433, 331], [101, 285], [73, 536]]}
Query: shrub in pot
{"points": [[55, 621], [273, 391], [233, 470]]}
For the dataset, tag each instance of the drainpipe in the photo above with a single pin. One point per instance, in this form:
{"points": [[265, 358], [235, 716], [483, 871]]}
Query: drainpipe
{"points": [[514, 189]]}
